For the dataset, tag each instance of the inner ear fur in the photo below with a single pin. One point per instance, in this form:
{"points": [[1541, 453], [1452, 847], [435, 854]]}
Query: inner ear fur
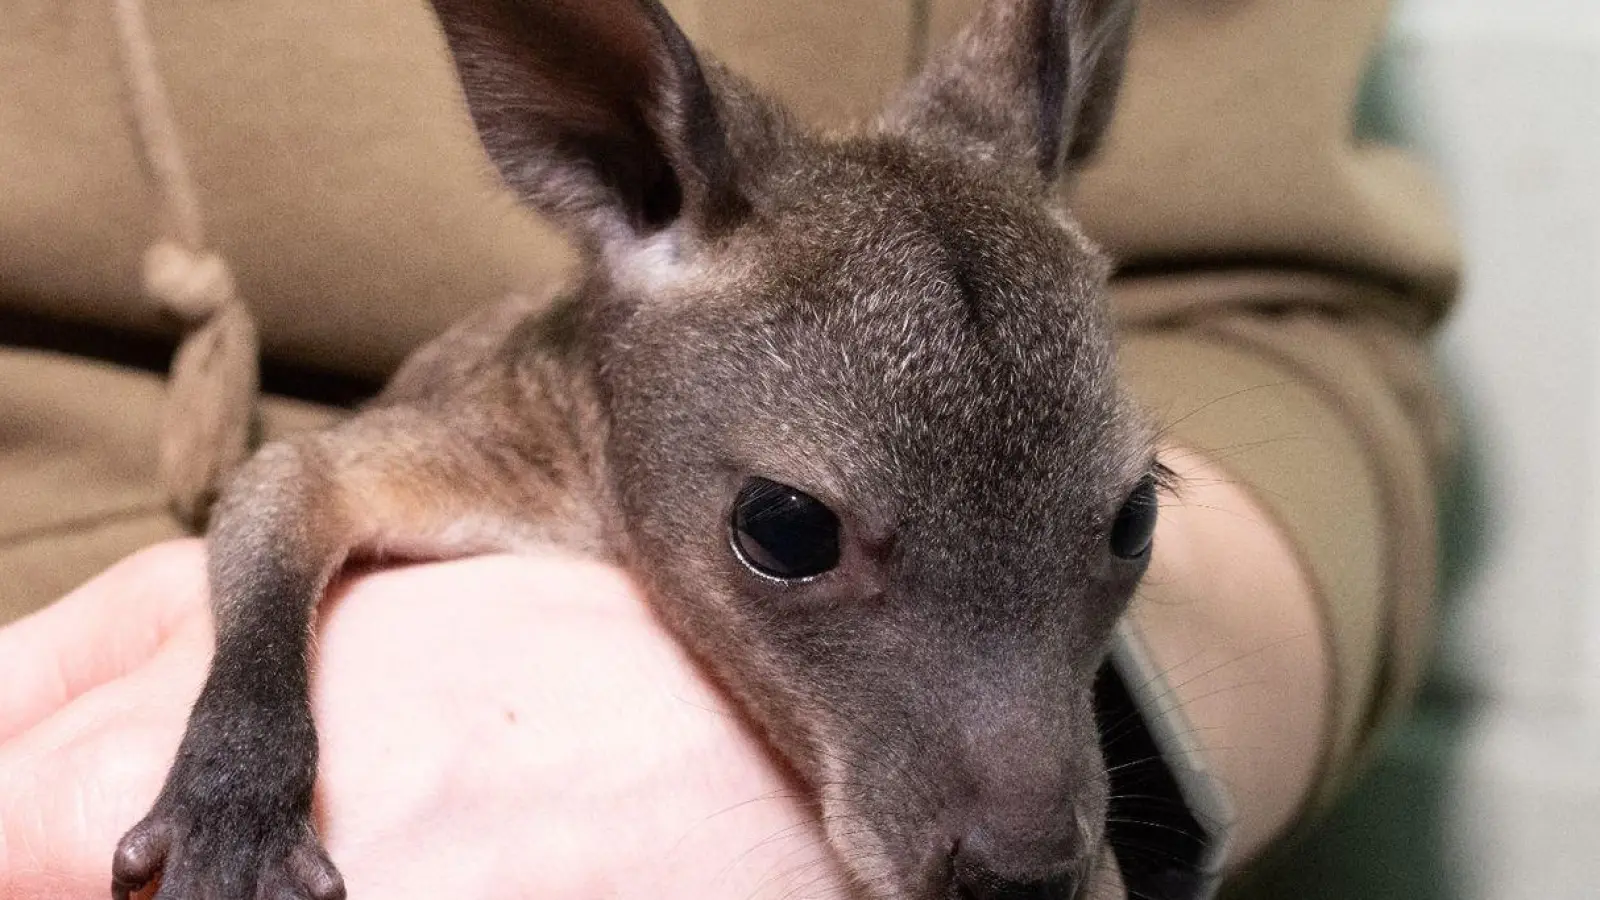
{"points": [[596, 112]]}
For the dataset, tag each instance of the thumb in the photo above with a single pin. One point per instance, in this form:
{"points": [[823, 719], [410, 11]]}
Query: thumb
{"points": [[99, 632]]}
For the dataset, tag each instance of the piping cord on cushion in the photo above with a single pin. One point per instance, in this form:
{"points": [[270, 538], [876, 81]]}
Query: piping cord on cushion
{"points": [[214, 379]]}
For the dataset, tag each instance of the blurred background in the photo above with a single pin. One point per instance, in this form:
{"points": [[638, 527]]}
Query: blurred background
{"points": [[1503, 97]]}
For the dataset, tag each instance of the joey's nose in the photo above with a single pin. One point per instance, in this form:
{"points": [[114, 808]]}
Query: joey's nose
{"points": [[975, 880], [974, 883]]}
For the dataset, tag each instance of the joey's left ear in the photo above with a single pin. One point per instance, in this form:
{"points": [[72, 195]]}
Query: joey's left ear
{"points": [[1027, 82]]}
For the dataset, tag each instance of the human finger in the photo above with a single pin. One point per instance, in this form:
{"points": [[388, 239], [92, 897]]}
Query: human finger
{"points": [[104, 629]]}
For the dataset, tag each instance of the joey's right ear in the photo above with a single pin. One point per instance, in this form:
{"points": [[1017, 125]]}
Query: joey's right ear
{"points": [[596, 112], [1028, 82]]}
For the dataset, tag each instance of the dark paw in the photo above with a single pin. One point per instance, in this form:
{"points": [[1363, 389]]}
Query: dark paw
{"points": [[139, 856], [223, 858]]}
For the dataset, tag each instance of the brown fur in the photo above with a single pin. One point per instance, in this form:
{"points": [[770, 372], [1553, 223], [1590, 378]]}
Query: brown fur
{"points": [[897, 322]]}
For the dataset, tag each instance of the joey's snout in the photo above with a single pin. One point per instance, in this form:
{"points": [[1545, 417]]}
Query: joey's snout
{"points": [[1005, 797], [1023, 835], [972, 879], [995, 857]]}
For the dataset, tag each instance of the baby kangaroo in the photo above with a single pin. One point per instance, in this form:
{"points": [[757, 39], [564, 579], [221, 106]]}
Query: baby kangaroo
{"points": [[844, 405]]}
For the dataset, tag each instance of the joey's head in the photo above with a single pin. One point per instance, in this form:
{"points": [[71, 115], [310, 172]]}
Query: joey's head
{"points": [[862, 416]]}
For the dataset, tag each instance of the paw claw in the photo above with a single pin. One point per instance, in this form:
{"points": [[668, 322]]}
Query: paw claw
{"points": [[140, 855], [314, 873]]}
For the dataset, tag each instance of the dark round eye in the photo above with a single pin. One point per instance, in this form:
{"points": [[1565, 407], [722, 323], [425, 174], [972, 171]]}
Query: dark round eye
{"points": [[783, 532], [1135, 526]]}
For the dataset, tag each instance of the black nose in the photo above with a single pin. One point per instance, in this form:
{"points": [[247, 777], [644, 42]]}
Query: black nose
{"points": [[975, 881]]}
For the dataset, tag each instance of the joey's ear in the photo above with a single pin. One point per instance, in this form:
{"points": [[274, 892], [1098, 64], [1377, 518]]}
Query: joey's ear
{"points": [[1027, 82], [596, 112]]}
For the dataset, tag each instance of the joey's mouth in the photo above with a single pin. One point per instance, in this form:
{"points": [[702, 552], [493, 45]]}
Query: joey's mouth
{"points": [[902, 861]]}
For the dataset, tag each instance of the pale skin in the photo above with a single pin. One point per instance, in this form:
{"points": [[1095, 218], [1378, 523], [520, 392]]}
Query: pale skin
{"points": [[526, 725]]}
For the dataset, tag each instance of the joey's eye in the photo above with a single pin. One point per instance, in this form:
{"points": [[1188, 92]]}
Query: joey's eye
{"points": [[1135, 526], [783, 532]]}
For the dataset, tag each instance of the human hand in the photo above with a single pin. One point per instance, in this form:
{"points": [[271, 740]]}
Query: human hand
{"points": [[489, 727]]}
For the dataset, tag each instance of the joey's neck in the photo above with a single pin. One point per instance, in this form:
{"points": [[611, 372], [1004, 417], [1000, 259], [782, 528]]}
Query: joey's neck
{"points": [[569, 381]]}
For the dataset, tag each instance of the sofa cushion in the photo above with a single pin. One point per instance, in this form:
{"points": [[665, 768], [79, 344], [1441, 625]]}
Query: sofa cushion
{"points": [[77, 467]]}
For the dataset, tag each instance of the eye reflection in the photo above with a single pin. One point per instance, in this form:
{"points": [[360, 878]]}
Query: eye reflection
{"points": [[782, 532]]}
